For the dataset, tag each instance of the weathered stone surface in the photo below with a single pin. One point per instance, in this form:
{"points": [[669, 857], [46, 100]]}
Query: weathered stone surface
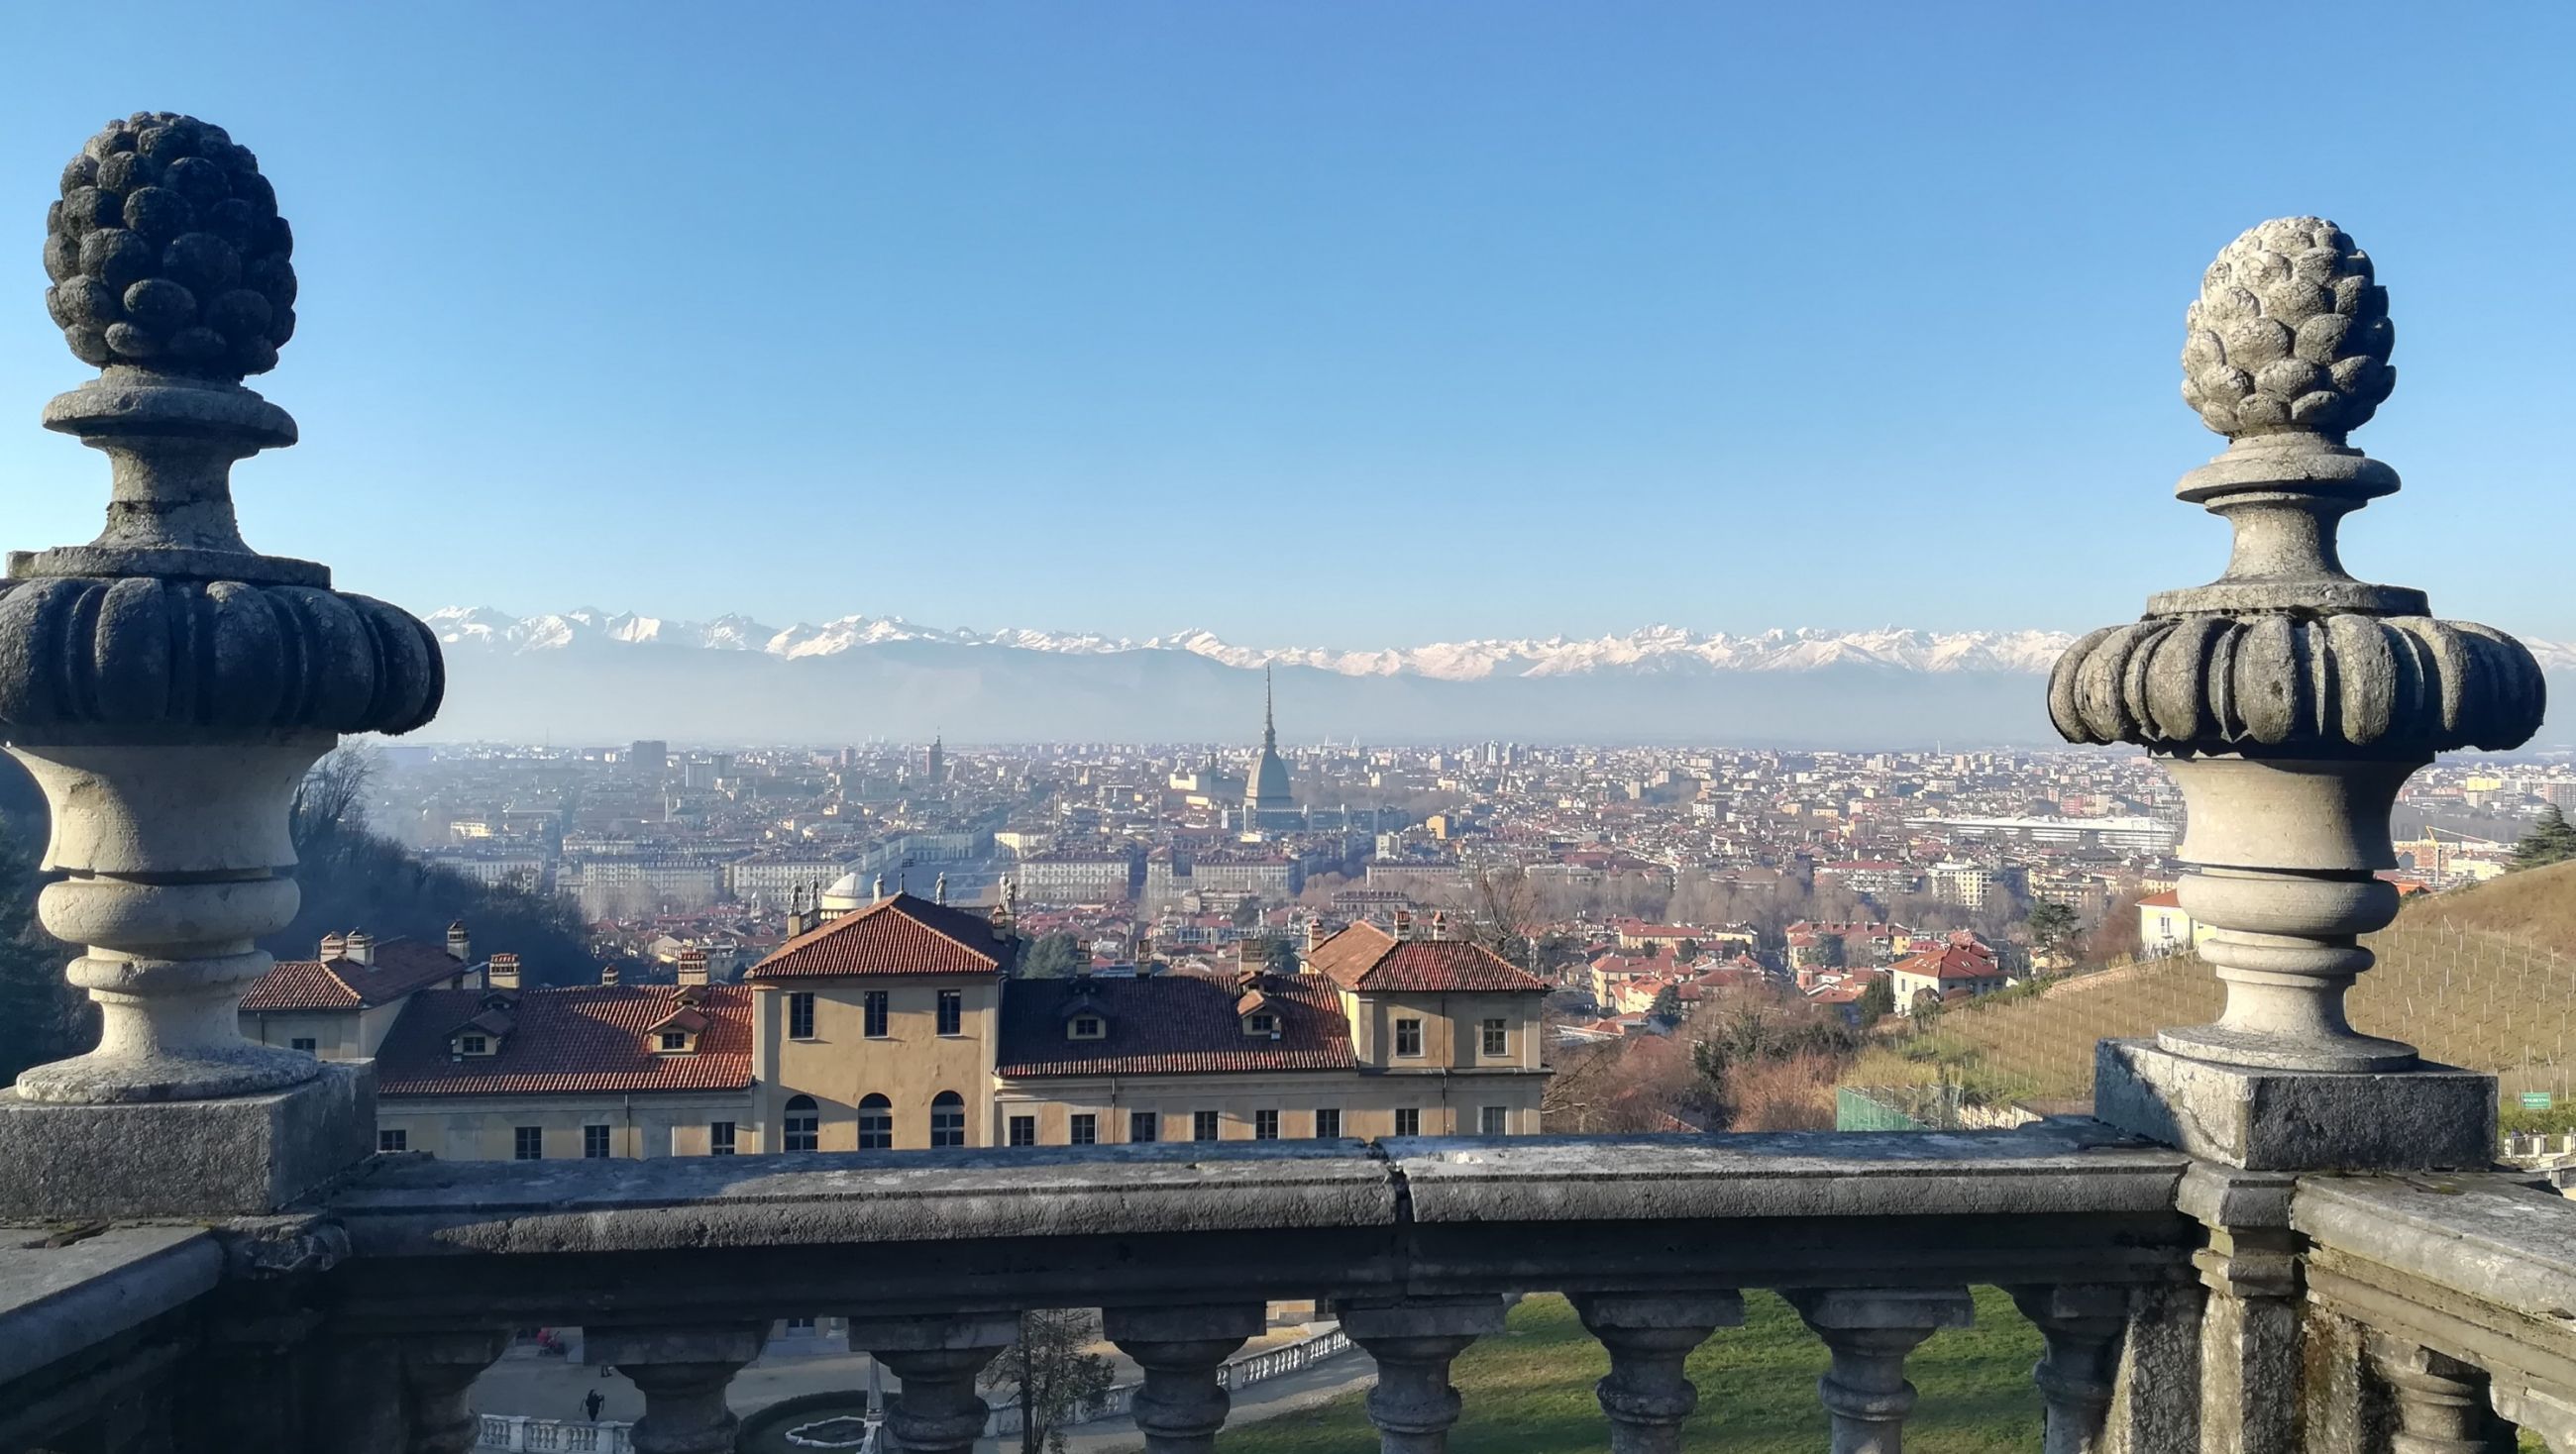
{"points": [[243, 1155], [55, 1300], [167, 249], [2249, 1116], [2290, 331]]}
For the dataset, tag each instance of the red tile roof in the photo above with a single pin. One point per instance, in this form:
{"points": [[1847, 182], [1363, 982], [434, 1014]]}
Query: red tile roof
{"points": [[588, 1039], [1364, 958], [1953, 961], [341, 983], [1171, 1024], [898, 935]]}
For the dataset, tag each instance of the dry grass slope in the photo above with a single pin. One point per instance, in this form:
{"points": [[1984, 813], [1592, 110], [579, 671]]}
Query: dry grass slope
{"points": [[2478, 978]]}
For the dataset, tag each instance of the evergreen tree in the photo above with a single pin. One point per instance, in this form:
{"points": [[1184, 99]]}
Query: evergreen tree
{"points": [[2551, 840], [2049, 926], [1052, 956]]}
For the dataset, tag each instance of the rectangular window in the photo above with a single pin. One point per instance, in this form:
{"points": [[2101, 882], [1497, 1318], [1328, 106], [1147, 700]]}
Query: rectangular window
{"points": [[1328, 1123], [1408, 1037], [800, 1325], [952, 1012], [1408, 1121], [1494, 1121], [720, 1138], [304, 1043], [675, 1039], [800, 1015], [594, 1142], [1265, 1125], [1498, 1038], [872, 1011], [472, 1045], [1143, 1126], [1086, 1130], [1024, 1131], [1203, 1125], [528, 1143], [393, 1140]]}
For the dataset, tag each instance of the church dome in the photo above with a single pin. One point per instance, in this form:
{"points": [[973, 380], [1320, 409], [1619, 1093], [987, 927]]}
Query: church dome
{"points": [[1268, 786], [845, 895]]}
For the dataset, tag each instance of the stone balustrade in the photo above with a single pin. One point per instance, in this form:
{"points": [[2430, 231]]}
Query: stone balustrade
{"points": [[2282, 1236], [520, 1434]]}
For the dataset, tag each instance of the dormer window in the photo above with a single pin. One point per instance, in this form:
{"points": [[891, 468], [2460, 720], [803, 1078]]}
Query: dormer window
{"points": [[672, 1040], [473, 1045], [1261, 1023], [677, 1033], [1087, 1027]]}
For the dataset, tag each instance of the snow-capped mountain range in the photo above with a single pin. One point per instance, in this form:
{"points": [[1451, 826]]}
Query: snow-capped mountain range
{"points": [[1654, 648], [601, 676]]}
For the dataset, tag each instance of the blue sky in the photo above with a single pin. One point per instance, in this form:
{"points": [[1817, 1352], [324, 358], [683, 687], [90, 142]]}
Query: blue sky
{"points": [[1335, 324]]}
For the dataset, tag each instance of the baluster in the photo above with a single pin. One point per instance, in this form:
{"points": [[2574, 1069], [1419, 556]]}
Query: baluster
{"points": [[2441, 1402], [936, 1411], [1870, 1331], [1646, 1395], [437, 1369], [1413, 1342], [682, 1372], [1183, 1352], [2082, 1323]]}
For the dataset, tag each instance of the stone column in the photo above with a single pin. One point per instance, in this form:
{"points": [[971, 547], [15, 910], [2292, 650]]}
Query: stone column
{"points": [[437, 1369], [1870, 1332], [936, 1411], [682, 1372], [167, 686], [2441, 1402], [2290, 701], [2082, 1323], [1646, 1395], [2253, 1351], [1181, 1406], [1413, 1342]]}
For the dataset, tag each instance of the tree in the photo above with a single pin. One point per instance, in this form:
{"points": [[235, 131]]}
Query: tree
{"points": [[2551, 840], [1282, 956], [1667, 1009], [1051, 1373], [1877, 1000], [2050, 926], [1052, 956], [1828, 952], [1247, 913]]}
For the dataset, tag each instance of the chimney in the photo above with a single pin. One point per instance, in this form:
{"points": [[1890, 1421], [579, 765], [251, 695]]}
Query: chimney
{"points": [[1404, 923], [362, 947], [608, 976], [504, 972], [1439, 924], [460, 945], [334, 946], [693, 965], [1314, 934]]}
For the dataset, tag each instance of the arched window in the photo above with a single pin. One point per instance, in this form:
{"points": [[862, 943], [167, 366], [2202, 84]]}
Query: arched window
{"points": [[876, 1124], [804, 1125], [948, 1119]]}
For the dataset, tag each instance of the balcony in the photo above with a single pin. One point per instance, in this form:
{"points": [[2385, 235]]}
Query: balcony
{"points": [[2280, 1235]]}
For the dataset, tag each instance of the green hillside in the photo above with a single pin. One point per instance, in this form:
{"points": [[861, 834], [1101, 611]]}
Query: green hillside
{"points": [[2476, 978]]}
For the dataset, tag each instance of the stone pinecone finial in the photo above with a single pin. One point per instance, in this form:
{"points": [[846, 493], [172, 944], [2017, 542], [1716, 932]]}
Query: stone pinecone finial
{"points": [[2290, 332], [166, 251]]}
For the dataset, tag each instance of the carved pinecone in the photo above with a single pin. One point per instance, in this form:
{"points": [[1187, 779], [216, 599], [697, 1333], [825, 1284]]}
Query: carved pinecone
{"points": [[166, 251], [2289, 333]]}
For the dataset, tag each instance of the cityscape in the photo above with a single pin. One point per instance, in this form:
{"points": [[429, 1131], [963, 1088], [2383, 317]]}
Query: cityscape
{"points": [[1454, 729]]}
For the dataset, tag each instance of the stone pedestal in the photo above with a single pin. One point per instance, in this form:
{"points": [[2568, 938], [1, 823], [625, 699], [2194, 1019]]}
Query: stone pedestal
{"points": [[240, 1156], [2434, 1117]]}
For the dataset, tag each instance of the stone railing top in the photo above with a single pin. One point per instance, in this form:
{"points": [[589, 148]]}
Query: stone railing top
{"points": [[421, 1207], [59, 1299], [2491, 1238]]}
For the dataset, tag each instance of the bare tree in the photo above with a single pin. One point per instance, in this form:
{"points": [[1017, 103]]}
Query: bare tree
{"points": [[1052, 1374], [332, 799]]}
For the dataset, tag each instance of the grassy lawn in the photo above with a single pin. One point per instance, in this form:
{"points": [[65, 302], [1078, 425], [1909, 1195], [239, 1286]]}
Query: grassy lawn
{"points": [[1530, 1390]]}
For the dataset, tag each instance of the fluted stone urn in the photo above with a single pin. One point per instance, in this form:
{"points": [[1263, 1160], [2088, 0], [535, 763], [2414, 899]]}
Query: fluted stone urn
{"points": [[2289, 700], [166, 684]]}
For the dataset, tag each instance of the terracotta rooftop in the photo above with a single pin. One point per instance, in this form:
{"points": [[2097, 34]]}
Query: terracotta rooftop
{"points": [[588, 1039], [1951, 961], [1171, 1024], [341, 983], [898, 935], [1364, 958]]}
